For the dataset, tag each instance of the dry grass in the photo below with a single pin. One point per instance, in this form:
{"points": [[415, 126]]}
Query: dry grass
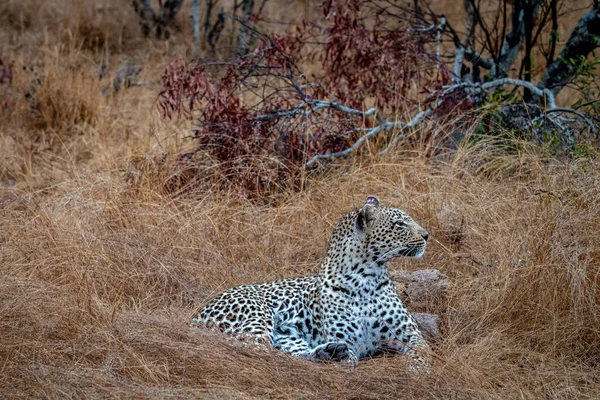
{"points": [[102, 268]]}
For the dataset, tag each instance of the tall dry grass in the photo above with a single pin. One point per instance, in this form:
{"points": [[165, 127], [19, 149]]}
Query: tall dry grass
{"points": [[102, 266]]}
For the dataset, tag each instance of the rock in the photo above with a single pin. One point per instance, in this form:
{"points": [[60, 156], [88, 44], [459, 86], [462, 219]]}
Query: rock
{"points": [[451, 224], [424, 288], [429, 324], [422, 275]]}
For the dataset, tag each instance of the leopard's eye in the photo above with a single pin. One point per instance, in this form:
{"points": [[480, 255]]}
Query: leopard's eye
{"points": [[400, 224]]}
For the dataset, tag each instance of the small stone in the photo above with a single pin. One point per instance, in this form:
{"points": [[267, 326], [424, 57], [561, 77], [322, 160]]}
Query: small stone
{"points": [[423, 289], [429, 324], [451, 224]]}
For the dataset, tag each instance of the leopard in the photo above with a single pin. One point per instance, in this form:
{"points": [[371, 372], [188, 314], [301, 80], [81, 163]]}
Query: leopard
{"points": [[350, 310]]}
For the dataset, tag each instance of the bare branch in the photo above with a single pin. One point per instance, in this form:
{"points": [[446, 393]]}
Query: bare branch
{"points": [[166, 16], [478, 59], [318, 105], [486, 33], [459, 57], [209, 7], [462, 52], [470, 25], [526, 84], [439, 28], [370, 133], [215, 32], [527, 63], [513, 41], [553, 32], [417, 119]]}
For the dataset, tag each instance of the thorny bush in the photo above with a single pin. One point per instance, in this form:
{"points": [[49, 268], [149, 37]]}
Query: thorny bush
{"points": [[257, 117]]}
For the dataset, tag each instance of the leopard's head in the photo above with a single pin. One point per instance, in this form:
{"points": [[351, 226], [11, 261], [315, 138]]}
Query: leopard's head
{"points": [[387, 232]]}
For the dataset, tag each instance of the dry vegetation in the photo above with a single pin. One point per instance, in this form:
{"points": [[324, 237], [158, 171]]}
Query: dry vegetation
{"points": [[102, 267]]}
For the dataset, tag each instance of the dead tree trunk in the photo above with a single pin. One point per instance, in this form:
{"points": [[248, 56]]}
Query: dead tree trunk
{"points": [[583, 40]]}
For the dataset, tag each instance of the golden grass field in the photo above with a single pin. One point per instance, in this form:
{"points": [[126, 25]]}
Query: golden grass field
{"points": [[102, 268]]}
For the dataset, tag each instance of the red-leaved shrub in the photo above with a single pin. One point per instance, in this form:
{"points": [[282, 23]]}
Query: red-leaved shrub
{"points": [[260, 117]]}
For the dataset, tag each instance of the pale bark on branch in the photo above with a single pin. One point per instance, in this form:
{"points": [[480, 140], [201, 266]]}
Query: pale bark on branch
{"points": [[472, 89]]}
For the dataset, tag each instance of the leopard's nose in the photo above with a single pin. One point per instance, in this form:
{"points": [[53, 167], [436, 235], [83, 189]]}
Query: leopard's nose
{"points": [[424, 234]]}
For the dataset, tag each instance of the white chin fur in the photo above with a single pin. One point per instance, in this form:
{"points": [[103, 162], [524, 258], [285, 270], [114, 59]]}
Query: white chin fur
{"points": [[420, 253]]}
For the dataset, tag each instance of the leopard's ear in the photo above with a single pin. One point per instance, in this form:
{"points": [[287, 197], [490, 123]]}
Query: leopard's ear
{"points": [[368, 215], [372, 200]]}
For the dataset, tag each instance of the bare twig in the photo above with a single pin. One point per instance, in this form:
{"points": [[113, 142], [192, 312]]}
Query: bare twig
{"points": [[587, 103], [215, 32], [209, 7], [463, 52]]}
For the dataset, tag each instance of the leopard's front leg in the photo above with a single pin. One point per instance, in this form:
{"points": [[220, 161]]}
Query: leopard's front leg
{"points": [[288, 337], [398, 331]]}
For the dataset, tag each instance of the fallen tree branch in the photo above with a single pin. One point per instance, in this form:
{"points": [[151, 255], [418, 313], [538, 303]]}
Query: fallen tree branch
{"points": [[317, 105], [526, 84], [470, 88], [370, 133]]}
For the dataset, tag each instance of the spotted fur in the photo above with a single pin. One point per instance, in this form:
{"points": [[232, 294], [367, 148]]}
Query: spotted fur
{"points": [[349, 311]]}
